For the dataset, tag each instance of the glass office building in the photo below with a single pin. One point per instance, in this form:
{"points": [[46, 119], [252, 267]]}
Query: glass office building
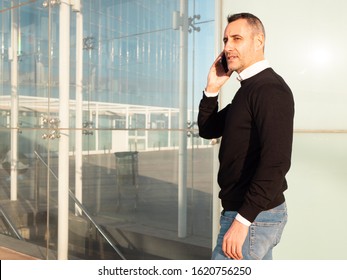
{"points": [[100, 157]]}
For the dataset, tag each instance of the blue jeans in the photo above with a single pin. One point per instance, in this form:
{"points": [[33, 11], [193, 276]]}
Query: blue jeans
{"points": [[263, 234]]}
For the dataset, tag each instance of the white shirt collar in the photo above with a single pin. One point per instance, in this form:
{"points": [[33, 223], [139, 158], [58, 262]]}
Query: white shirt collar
{"points": [[253, 70]]}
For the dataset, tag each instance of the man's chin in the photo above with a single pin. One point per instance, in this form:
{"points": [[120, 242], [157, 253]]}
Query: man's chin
{"points": [[233, 67]]}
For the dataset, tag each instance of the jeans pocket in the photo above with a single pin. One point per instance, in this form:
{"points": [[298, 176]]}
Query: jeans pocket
{"points": [[262, 238], [266, 233]]}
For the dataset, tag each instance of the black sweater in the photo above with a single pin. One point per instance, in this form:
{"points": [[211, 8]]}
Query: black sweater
{"points": [[255, 152]]}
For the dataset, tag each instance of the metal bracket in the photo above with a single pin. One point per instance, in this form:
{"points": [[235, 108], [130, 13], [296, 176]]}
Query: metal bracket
{"points": [[191, 23], [46, 3], [89, 43], [52, 125], [88, 128], [192, 126], [177, 21]]}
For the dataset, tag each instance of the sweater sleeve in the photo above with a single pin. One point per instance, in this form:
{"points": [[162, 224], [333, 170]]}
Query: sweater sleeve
{"points": [[273, 112], [210, 120]]}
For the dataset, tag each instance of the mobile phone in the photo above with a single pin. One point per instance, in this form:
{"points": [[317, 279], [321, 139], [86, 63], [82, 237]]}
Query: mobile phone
{"points": [[224, 63]]}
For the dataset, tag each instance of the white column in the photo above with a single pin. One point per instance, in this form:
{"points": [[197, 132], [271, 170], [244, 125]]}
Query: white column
{"points": [[169, 129], [182, 152], [79, 110], [216, 205], [147, 126], [13, 56], [64, 82], [96, 124], [98, 150]]}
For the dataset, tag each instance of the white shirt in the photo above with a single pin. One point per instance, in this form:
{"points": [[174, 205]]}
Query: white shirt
{"points": [[253, 70], [247, 73]]}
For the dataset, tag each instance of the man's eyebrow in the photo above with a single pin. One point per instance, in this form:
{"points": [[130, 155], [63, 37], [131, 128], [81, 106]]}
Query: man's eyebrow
{"points": [[232, 36]]}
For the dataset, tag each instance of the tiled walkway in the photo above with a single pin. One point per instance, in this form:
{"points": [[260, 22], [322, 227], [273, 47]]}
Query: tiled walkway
{"points": [[8, 254]]}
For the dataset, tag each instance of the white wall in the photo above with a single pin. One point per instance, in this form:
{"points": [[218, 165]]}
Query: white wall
{"points": [[307, 44]]}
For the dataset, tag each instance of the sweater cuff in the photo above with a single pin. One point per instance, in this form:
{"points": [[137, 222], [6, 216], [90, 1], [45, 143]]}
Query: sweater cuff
{"points": [[249, 212]]}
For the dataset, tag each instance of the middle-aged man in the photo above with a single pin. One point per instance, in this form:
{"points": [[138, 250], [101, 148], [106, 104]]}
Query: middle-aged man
{"points": [[256, 145]]}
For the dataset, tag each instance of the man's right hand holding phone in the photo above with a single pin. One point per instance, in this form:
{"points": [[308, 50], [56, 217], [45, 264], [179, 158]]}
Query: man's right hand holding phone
{"points": [[217, 75]]}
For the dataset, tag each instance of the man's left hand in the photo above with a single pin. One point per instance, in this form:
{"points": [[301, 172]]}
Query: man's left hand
{"points": [[234, 239]]}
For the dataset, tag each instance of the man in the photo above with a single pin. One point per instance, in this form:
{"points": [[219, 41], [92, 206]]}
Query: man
{"points": [[255, 152]]}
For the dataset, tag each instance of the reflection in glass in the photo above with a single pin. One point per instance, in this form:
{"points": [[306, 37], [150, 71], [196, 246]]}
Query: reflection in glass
{"points": [[129, 88]]}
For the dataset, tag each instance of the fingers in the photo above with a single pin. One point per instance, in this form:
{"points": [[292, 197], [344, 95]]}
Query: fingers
{"points": [[216, 63], [234, 239], [232, 250], [220, 68], [217, 76], [238, 254]]}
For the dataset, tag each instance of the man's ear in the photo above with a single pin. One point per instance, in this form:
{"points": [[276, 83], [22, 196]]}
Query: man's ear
{"points": [[259, 41]]}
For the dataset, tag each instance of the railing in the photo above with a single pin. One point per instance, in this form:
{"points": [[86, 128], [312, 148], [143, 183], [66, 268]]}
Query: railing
{"points": [[85, 211], [9, 223]]}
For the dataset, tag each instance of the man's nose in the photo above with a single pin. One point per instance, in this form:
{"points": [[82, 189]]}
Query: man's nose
{"points": [[228, 46]]}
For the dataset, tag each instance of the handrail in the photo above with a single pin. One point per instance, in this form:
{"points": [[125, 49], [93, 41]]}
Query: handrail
{"points": [[10, 224], [101, 231]]}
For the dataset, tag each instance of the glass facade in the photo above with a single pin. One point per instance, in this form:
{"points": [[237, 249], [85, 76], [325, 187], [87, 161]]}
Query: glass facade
{"points": [[124, 127]]}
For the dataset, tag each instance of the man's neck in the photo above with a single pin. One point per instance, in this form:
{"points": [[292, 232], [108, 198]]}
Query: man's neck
{"points": [[253, 70]]}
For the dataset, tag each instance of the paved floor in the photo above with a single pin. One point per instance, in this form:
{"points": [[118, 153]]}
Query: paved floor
{"points": [[9, 254]]}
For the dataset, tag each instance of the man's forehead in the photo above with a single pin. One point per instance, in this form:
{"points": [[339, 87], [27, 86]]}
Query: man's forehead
{"points": [[238, 27]]}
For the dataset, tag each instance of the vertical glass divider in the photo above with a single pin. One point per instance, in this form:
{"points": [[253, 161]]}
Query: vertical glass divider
{"points": [[13, 56], [64, 95]]}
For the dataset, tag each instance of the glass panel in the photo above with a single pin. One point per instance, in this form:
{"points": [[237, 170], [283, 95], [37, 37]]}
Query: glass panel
{"points": [[123, 128], [28, 83], [134, 195]]}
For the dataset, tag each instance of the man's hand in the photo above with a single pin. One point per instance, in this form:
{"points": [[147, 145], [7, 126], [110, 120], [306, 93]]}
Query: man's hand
{"points": [[234, 239], [217, 77]]}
